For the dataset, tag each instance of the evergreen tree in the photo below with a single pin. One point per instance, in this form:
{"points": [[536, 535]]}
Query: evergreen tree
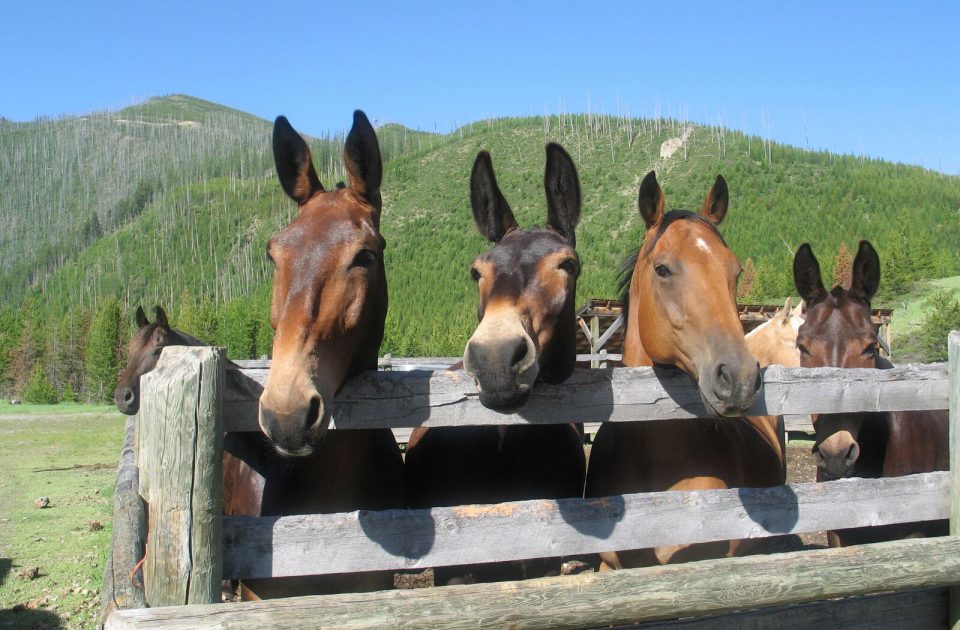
{"points": [[10, 331], [748, 279], [38, 389], [238, 329], [843, 266], [943, 315], [102, 354]]}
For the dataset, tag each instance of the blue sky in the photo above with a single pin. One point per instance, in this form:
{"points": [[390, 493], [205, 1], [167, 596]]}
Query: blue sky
{"points": [[873, 78]]}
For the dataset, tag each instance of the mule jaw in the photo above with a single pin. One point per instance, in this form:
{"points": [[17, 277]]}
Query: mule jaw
{"points": [[502, 357]]}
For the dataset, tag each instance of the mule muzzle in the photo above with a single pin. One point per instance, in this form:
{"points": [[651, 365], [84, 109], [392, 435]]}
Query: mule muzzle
{"points": [[505, 370], [127, 400], [727, 389], [294, 429], [837, 455]]}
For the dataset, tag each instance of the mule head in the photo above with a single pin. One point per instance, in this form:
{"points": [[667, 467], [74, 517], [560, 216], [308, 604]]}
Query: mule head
{"points": [[775, 341], [527, 284], [838, 332], [144, 351], [683, 306], [329, 288]]}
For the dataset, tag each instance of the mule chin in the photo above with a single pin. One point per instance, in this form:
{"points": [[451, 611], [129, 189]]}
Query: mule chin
{"points": [[506, 402], [293, 444]]}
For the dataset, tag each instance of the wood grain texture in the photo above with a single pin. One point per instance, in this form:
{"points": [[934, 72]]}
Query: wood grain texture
{"points": [[411, 399], [129, 533], [595, 599], [172, 408], [916, 609], [206, 532], [953, 350], [417, 539]]}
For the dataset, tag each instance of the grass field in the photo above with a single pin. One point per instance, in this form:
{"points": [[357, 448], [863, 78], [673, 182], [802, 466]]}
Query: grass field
{"points": [[52, 558], [910, 312]]}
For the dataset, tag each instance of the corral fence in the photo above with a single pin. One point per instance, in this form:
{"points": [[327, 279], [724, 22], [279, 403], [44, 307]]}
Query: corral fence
{"points": [[168, 509]]}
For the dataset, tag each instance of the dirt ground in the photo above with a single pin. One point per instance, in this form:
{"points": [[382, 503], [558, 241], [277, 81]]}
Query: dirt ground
{"points": [[800, 469]]}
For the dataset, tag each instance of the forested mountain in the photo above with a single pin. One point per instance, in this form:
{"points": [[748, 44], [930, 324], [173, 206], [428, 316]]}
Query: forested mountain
{"points": [[172, 201]]}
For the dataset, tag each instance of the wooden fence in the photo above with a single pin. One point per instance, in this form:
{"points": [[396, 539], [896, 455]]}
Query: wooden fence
{"points": [[190, 399]]}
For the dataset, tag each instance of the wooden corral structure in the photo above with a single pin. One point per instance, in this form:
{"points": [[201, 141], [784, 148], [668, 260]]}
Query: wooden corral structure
{"points": [[601, 330], [172, 463]]}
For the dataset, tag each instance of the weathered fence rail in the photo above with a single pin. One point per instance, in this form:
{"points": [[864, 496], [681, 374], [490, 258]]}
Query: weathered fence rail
{"points": [[442, 398], [403, 539]]}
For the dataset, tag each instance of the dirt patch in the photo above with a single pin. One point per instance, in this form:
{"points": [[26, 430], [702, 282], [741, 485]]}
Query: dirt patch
{"points": [[88, 467]]}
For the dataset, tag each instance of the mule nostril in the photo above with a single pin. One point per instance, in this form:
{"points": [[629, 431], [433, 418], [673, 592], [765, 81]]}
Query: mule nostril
{"points": [[128, 396], [313, 413], [519, 353], [852, 454], [724, 384]]}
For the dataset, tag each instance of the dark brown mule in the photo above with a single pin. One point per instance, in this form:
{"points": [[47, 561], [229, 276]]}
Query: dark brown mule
{"points": [[839, 332], [682, 311], [144, 352], [328, 310], [527, 284]]}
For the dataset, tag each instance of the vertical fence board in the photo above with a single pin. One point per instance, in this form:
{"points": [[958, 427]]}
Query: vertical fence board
{"points": [[953, 344], [175, 463]]}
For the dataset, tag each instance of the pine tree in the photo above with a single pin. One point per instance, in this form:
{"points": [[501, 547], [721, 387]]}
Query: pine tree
{"points": [[943, 315], [747, 280], [102, 356], [843, 266], [39, 390]]}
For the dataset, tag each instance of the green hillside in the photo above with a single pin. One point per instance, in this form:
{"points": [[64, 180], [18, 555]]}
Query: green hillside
{"points": [[172, 201]]}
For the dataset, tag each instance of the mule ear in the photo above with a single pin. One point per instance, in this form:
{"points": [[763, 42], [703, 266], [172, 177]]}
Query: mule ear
{"points": [[361, 156], [651, 200], [717, 201], [784, 313], [491, 212], [562, 187], [798, 311], [294, 163], [142, 318], [866, 273], [162, 317], [806, 275]]}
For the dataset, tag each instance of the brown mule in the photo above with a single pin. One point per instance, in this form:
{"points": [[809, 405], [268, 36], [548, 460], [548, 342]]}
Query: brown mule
{"points": [[527, 284], [328, 310], [682, 311], [144, 352], [839, 332]]}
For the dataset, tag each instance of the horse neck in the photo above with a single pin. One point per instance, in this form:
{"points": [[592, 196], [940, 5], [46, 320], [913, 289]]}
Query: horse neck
{"points": [[180, 338]]}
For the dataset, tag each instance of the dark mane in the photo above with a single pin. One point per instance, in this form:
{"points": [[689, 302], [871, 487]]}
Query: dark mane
{"points": [[629, 263]]}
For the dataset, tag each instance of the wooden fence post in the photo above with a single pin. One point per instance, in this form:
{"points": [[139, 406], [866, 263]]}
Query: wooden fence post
{"points": [[594, 340], [953, 343], [180, 447]]}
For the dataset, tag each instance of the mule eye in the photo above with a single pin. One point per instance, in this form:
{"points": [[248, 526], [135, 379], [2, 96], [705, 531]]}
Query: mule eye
{"points": [[474, 274], [364, 258], [662, 270], [571, 266], [803, 350], [871, 349]]}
